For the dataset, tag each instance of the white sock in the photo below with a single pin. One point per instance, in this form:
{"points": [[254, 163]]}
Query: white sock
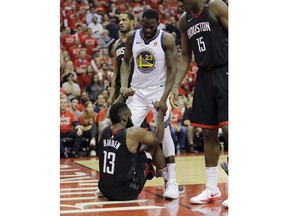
{"points": [[212, 178], [171, 172], [164, 173]]}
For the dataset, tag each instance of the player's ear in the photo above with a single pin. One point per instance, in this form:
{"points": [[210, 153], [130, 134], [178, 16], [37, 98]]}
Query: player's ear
{"points": [[125, 118]]}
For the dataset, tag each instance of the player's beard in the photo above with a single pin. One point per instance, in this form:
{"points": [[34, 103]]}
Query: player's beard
{"points": [[129, 123]]}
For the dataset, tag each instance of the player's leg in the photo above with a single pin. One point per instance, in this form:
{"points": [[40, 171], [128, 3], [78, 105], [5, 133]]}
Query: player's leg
{"points": [[138, 107], [205, 115], [171, 187]]}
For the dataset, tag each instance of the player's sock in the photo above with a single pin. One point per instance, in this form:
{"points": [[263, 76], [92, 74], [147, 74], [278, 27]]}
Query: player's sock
{"points": [[171, 172], [212, 178]]}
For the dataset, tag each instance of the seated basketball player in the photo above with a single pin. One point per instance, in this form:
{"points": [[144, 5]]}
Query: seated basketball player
{"points": [[123, 168]]}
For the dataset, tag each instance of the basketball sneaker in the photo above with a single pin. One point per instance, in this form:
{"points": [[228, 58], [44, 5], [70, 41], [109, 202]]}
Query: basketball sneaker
{"points": [[225, 203], [171, 190], [207, 197]]}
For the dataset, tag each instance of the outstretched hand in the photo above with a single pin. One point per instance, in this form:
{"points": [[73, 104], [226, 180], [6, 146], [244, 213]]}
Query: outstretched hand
{"points": [[174, 95], [160, 106], [126, 92]]}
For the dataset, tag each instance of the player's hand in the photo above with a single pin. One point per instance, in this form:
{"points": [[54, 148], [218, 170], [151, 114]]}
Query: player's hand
{"points": [[160, 106], [127, 92], [174, 95]]}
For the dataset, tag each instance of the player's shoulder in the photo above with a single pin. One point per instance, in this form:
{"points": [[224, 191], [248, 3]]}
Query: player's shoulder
{"points": [[135, 132]]}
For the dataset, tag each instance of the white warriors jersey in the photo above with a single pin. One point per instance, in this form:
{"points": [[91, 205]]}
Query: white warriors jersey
{"points": [[149, 61]]}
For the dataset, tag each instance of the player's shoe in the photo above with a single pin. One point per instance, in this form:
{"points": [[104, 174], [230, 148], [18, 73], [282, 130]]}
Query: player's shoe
{"points": [[224, 166], [225, 203], [99, 194], [171, 190], [207, 197]]}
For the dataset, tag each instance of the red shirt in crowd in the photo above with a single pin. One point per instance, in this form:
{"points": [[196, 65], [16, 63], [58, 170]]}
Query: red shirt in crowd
{"points": [[67, 119], [176, 116], [90, 43]]}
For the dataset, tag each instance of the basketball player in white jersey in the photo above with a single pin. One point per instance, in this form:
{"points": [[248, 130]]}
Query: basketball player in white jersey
{"points": [[154, 55]]}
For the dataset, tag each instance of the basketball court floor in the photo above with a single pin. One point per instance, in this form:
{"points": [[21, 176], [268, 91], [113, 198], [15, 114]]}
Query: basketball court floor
{"points": [[79, 181]]}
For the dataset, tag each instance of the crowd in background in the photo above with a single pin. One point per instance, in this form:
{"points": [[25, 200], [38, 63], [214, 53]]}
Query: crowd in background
{"points": [[88, 29]]}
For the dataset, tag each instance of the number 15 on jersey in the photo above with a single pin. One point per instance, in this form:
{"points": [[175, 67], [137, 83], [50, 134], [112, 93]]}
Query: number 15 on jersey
{"points": [[201, 44]]}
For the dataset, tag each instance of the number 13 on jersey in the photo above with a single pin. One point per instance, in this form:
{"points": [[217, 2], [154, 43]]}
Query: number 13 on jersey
{"points": [[201, 44], [109, 162]]}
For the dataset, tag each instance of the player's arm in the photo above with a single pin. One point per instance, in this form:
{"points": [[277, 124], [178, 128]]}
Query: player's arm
{"points": [[125, 67], [186, 56], [136, 135], [171, 64], [219, 11], [113, 82]]}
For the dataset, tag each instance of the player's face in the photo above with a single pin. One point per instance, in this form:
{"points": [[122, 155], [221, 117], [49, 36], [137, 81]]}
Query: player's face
{"points": [[149, 27], [129, 122], [124, 23], [187, 5]]}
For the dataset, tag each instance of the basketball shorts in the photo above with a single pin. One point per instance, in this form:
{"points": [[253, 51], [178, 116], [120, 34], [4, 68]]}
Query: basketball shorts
{"points": [[210, 101]]}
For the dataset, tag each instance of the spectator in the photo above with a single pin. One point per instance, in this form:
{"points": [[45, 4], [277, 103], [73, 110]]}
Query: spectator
{"points": [[94, 88], [83, 99], [75, 49], [178, 128], [77, 21], [150, 121], [99, 104], [68, 68], [96, 27], [87, 76], [113, 11], [81, 65], [191, 131], [70, 17], [113, 29], [90, 43], [172, 27], [105, 41], [74, 104], [71, 88], [89, 122], [67, 38], [69, 128], [82, 5], [92, 14]]}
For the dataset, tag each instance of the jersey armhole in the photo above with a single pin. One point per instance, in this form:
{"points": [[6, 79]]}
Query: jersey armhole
{"points": [[133, 38], [162, 45]]}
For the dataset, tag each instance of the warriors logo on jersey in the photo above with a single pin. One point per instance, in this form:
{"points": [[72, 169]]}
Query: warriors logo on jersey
{"points": [[145, 60]]}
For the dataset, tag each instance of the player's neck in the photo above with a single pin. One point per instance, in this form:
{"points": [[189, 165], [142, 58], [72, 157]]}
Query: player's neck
{"points": [[118, 126], [198, 7]]}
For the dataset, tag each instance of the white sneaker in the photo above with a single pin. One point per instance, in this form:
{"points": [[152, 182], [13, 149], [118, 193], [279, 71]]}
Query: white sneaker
{"points": [[207, 197], [171, 190], [92, 153], [98, 194], [225, 203]]}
